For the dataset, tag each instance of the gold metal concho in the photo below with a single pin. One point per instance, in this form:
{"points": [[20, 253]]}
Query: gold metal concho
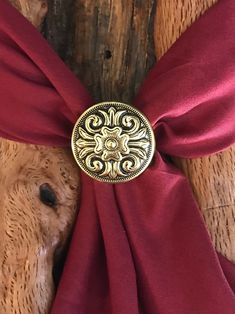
{"points": [[113, 142]]}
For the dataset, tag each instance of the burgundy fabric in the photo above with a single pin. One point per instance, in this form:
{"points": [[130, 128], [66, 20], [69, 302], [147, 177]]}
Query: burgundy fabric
{"points": [[141, 246]]}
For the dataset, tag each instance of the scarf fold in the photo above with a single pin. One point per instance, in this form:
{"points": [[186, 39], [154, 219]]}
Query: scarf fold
{"points": [[141, 246]]}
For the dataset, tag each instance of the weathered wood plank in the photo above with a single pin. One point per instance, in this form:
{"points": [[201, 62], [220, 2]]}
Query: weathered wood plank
{"points": [[59, 27], [112, 47]]}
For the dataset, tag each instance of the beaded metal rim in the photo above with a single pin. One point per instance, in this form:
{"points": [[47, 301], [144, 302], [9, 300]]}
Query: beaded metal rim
{"points": [[113, 142]]}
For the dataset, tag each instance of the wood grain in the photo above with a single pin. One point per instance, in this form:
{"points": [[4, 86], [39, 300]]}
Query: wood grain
{"points": [[34, 10], [111, 49], [32, 234], [212, 177], [173, 18]]}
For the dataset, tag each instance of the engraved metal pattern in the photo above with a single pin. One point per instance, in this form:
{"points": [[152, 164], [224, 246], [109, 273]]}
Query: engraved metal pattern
{"points": [[113, 142]]}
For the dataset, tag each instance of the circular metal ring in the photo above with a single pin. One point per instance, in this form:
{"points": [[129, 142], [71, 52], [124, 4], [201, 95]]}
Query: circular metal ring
{"points": [[113, 142]]}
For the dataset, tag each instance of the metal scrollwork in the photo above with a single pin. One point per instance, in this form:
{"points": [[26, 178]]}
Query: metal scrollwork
{"points": [[113, 142]]}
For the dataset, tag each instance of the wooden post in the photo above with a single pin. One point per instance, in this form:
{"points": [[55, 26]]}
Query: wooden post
{"points": [[109, 43]]}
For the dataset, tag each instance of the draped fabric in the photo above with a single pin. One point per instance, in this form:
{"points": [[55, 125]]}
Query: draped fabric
{"points": [[141, 246]]}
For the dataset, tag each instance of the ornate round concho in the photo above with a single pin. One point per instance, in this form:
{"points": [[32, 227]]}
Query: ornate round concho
{"points": [[113, 142]]}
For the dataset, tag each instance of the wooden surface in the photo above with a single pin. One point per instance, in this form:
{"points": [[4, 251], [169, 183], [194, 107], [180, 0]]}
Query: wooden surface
{"points": [[109, 44], [173, 18], [34, 225]]}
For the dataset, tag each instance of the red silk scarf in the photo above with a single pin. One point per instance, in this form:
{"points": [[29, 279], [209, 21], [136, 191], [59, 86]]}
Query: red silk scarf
{"points": [[141, 246]]}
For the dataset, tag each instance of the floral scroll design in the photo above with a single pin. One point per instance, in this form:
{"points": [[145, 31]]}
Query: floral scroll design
{"points": [[113, 143]]}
